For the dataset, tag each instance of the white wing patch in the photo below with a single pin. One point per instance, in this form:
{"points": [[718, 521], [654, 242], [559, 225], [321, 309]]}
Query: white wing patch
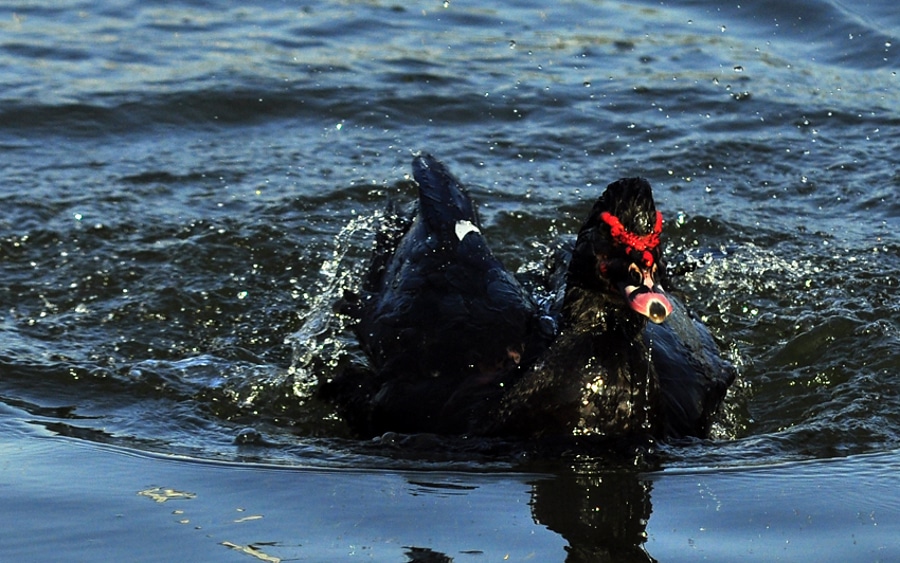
{"points": [[464, 227]]}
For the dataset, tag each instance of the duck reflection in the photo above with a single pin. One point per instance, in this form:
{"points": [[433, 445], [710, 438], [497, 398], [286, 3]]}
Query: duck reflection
{"points": [[603, 514]]}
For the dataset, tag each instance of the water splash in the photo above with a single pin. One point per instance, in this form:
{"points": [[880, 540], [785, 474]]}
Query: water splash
{"points": [[238, 390], [324, 342]]}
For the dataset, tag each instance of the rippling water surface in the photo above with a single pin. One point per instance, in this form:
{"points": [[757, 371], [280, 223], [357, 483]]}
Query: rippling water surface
{"points": [[185, 186]]}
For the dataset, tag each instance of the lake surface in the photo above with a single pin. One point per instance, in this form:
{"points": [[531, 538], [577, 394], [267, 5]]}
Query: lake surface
{"points": [[187, 186]]}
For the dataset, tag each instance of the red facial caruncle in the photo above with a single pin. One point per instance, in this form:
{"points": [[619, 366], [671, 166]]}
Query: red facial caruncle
{"points": [[645, 297]]}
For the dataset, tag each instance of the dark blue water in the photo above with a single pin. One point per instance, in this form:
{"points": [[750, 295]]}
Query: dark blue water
{"points": [[186, 186]]}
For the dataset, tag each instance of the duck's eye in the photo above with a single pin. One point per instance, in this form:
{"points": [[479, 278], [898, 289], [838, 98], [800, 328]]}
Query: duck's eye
{"points": [[634, 274]]}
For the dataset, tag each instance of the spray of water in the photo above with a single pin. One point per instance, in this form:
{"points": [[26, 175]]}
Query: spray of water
{"points": [[324, 342]]}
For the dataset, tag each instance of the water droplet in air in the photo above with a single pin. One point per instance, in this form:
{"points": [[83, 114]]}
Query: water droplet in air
{"points": [[738, 68], [512, 44]]}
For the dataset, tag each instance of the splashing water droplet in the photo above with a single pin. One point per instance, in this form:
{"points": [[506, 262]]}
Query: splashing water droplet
{"points": [[321, 344]]}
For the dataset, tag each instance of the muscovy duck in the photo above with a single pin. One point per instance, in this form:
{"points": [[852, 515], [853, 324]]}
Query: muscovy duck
{"points": [[457, 345], [610, 373], [442, 322]]}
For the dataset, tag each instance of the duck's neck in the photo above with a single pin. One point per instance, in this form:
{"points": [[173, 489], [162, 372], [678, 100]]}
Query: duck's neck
{"points": [[599, 316], [595, 380], [619, 388]]}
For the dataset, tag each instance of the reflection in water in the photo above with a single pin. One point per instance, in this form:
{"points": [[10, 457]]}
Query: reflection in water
{"points": [[602, 514], [426, 555]]}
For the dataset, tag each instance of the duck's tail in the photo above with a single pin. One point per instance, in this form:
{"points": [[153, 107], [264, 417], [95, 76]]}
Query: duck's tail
{"points": [[443, 202]]}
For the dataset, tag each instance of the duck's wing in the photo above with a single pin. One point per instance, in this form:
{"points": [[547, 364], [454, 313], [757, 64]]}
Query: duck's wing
{"points": [[693, 377], [395, 222]]}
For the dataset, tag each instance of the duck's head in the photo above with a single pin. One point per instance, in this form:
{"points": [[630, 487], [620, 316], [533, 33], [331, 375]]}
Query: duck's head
{"points": [[618, 249]]}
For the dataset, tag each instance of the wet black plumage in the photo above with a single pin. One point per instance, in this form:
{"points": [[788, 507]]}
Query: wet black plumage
{"points": [[611, 373], [693, 378], [441, 320], [458, 346]]}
